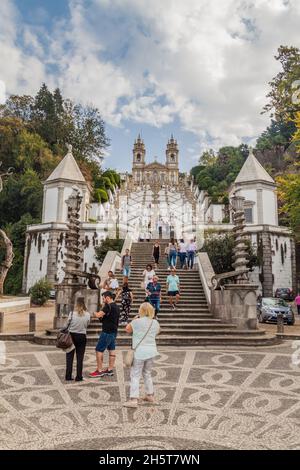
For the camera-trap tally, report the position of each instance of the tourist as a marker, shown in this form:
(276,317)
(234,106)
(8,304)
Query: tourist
(172,254)
(182,253)
(154,294)
(126,263)
(109,317)
(156,253)
(297,302)
(160,228)
(111,284)
(173,288)
(148,274)
(126,301)
(144,329)
(78,322)
(167,256)
(191,251)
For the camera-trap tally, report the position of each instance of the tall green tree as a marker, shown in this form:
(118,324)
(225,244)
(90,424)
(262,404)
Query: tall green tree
(281,103)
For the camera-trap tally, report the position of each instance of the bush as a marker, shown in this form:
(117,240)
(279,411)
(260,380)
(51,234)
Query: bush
(40,292)
(100,195)
(108,245)
(219,248)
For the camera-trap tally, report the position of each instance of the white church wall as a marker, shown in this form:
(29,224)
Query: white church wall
(281,261)
(250,195)
(37,259)
(51,197)
(269,207)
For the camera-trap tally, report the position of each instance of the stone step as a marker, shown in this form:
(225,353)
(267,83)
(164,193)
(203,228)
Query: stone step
(178,340)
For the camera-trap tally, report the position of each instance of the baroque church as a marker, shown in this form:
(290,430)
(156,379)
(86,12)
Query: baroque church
(155,172)
(155,197)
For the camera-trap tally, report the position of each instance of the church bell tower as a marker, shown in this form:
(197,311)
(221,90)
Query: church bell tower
(172,153)
(139,153)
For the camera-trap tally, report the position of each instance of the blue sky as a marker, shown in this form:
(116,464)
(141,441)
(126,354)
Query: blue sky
(196,69)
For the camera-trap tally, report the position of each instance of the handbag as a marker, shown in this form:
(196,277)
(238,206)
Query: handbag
(64,338)
(129,357)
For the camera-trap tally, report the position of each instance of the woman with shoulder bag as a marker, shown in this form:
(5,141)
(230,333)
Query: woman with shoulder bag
(79,320)
(144,329)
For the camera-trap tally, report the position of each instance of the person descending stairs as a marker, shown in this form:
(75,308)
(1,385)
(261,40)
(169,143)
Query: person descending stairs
(190,323)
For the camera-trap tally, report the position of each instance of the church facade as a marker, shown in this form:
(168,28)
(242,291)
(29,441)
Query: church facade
(155,172)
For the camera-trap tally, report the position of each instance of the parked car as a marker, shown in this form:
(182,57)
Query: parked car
(269,307)
(284,293)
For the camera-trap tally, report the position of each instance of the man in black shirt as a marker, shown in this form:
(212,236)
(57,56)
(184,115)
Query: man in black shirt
(109,317)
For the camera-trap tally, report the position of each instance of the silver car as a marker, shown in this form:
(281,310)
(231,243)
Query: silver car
(269,307)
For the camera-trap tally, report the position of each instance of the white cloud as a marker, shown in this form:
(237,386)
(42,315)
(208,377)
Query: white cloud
(2,92)
(206,64)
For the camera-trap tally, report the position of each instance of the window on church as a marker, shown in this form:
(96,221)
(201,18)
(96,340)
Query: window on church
(173,157)
(248,215)
(41,264)
(138,157)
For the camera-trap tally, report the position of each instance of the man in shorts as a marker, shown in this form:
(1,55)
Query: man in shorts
(109,317)
(173,288)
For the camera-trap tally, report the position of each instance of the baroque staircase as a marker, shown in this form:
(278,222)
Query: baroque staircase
(190,324)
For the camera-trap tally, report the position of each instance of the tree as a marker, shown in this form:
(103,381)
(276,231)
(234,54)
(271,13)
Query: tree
(107,245)
(279,133)
(219,248)
(289,198)
(281,104)
(296,136)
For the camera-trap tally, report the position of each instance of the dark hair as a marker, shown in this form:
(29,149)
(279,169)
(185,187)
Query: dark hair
(149,266)
(108,294)
(172,241)
(182,240)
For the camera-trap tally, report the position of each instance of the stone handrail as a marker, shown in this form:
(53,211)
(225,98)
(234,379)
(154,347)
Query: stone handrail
(111,262)
(206,273)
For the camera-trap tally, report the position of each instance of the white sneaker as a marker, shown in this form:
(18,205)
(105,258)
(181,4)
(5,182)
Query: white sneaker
(131,404)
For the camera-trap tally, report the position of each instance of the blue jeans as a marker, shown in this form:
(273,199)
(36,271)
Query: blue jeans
(106,341)
(126,271)
(172,258)
(191,257)
(182,257)
(156,304)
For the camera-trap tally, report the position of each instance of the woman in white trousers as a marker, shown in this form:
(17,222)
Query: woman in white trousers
(144,329)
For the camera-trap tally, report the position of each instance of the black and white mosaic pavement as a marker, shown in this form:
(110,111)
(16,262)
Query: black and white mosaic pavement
(208,399)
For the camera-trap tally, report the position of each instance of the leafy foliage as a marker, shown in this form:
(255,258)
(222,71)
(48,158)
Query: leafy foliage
(219,248)
(280,98)
(34,131)
(216,172)
(289,195)
(40,292)
(107,245)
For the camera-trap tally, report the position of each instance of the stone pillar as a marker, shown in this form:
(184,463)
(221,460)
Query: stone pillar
(293,266)
(267,274)
(260,208)
(60,203)
(52,256)
(44,204)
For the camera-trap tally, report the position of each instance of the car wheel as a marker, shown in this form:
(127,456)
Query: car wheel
(292,322)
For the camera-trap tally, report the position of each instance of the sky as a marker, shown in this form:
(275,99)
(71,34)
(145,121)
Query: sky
(198,69)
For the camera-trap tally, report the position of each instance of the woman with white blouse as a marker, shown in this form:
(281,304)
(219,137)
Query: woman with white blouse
(148,275)
(144,329)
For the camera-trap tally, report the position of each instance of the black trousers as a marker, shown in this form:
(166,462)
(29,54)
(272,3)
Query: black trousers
(79,341)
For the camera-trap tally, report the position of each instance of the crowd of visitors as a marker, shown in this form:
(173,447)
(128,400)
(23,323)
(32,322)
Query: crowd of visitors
(115,311)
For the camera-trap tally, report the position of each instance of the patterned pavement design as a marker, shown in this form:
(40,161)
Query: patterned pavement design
(209,398)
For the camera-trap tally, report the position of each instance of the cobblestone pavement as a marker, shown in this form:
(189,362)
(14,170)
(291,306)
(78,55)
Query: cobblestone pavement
(208,399)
